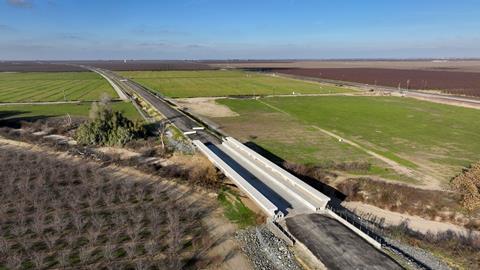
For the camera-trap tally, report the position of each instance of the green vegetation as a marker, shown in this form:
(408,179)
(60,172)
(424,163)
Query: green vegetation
(411,132)
(183,84)
(52,86)
(108,127)
(235,210)
(25,112)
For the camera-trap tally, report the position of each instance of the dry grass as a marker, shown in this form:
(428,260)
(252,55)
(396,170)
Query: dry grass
(64,214)
(433,205)
(468,184)
(460,251)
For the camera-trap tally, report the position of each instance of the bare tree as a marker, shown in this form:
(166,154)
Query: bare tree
(130,249)
(108,251)
(141,265)
(4,245)
(84,254)
(63,258)
(151,247)
(13,261)
(50,239)
(92,234)
(174,237)
(38,259)
(78,221)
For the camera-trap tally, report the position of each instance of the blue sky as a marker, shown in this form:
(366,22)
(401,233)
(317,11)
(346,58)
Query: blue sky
(226,29)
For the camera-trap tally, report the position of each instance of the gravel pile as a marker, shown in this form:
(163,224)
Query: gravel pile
(265,250)
(425,257)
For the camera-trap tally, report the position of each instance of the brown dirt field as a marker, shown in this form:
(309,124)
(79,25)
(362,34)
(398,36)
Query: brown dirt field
(461,83)
(129,65)
(35,66)
(205,106)
(450,65)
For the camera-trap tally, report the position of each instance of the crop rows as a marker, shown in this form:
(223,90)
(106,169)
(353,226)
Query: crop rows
(224,83)
(55,214)
(457,82)
(35,87)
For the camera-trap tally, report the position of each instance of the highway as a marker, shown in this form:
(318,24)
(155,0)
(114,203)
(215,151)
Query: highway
(288,193)
(280,195)
(174,116)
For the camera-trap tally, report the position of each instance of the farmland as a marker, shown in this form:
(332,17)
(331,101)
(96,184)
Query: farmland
(58,212)
(182,84)
(459,83)
(52,86)
(10,113)
(36,66)
(139,65)
(440,139)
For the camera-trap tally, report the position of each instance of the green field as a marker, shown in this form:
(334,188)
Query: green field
(183,84)
(32,112)
(417,134)
(52,86)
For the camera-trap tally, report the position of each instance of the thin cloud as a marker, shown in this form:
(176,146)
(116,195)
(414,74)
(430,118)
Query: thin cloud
(145,30)
(6,28)
(20,3)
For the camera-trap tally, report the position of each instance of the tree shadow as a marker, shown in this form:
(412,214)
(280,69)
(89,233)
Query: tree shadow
(328,190)
(14,119)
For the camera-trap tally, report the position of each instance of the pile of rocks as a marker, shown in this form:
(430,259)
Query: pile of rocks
(424,257)
(265,250)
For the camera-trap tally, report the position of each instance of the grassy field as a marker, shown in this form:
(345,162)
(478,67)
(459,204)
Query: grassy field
(52,86)
(31,112)
(414,133)
(182,84)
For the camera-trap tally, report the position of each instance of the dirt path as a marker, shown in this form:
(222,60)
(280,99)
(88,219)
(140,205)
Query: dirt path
(393,218)
(41,103)
(428,181)
(224,250)
(205,106)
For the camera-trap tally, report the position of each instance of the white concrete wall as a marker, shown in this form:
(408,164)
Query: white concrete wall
(266,205)
(321,199)
(272,178)
(114,85)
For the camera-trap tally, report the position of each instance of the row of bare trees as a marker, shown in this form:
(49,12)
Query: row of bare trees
(68,214)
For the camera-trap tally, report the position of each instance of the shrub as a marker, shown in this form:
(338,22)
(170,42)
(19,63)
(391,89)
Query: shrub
(468,184)
(107,127)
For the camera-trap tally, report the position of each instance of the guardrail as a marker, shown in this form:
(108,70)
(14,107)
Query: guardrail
(322,198)
(273,179)
(117,89)
(266,205)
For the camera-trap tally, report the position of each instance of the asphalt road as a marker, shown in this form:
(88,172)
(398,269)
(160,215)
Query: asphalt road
(336,246)
(179,119)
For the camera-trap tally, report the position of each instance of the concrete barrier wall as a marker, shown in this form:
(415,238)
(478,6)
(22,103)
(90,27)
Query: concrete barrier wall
(114,85)
(268,207)
(273,179)
(283,173)
(367,238)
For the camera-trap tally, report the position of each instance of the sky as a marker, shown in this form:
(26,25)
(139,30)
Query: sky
(238,29)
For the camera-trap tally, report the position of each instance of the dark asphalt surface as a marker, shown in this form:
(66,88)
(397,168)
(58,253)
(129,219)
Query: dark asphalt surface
(180,120)
(336,246)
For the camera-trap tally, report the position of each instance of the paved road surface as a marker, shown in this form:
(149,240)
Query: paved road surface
(336,246)
(180,120)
